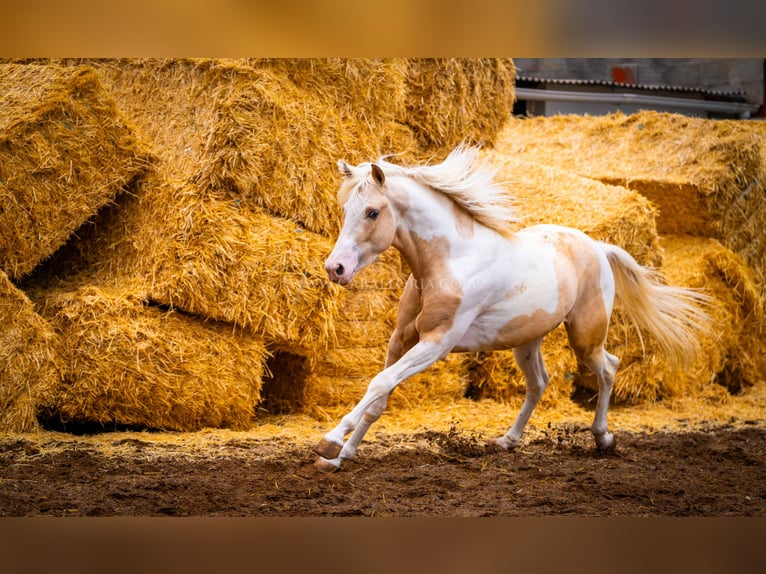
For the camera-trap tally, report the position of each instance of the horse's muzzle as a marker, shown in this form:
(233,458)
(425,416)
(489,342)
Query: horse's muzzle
(339,273)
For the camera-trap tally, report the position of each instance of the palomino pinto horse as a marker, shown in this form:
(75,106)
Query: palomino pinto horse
(478,286)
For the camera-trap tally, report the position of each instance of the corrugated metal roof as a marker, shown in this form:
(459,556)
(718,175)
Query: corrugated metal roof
(713,94)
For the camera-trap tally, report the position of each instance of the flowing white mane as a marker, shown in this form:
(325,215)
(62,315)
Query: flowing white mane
(461,176)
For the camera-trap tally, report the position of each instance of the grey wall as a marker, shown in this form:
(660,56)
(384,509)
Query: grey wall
(724,74)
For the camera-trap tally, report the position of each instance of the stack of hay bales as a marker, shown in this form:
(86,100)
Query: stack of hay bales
(705,177)
(65,152)
(458,101)
(220,244)
(169,219)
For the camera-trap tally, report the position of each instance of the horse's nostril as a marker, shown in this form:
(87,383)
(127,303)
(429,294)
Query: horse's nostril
(339,270)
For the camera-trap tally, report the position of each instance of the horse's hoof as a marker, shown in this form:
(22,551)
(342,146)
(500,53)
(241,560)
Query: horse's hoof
(327,449)
(493,447)
(502,444)
(326,466)
(606,444)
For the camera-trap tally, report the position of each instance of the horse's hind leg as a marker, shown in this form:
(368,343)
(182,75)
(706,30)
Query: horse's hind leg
(587,327)
(530,361)
(603,365)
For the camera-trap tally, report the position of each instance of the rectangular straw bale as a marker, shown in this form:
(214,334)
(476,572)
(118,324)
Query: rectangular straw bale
(30,361)
(352,85)
(65,151)
(170,102)
(173,102)
(731,354)
(267,130)
(705,176)
(545,194)
(218,260)
(128,363)
(276,144)
(451,101)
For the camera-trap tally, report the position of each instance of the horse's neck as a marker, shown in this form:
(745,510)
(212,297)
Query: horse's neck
(427,231)
(423,210)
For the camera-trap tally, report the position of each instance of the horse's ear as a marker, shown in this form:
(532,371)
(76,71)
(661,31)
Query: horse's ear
(378,175)
(344,168)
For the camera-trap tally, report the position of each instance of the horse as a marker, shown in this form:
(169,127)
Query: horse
(481,282)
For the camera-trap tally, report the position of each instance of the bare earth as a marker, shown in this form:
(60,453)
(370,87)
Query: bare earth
(717,471)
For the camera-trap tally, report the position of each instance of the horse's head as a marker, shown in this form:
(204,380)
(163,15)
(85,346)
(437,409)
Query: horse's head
(368,225)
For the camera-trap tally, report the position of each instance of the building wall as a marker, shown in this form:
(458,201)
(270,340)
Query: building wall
(724,74)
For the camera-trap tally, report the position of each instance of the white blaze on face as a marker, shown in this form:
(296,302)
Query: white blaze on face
(343,262)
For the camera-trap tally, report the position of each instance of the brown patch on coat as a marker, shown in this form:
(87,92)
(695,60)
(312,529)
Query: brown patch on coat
(580,305)
(439,293)
(588,321)
(405,335)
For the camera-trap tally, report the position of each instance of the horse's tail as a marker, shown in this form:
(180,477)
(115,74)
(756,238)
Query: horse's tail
(675,316)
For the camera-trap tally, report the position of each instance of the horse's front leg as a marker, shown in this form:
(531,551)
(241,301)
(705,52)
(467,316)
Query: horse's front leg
(331,449)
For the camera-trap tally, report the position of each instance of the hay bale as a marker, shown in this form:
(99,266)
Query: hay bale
(214,259)
(265,131)
(30,361)
(173,103)
(352,86)
(730,355)
(705,176)
(331,390)
(65,151)
(130,363)
(276,145)
(450,101)
(545,194)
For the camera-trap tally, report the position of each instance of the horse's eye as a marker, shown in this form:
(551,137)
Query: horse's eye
(372,213)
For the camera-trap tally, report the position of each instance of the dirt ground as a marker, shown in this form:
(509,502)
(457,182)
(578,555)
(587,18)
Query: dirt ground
(707,469)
